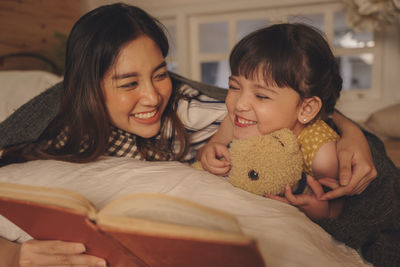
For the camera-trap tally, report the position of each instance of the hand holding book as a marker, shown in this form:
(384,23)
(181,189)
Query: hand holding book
(135,230)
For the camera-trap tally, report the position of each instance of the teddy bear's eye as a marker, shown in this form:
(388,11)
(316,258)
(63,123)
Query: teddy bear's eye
(253,175)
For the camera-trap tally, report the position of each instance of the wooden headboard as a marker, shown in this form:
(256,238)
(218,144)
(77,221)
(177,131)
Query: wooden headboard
(28,61)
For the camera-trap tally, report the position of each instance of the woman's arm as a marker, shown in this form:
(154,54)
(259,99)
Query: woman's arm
(356,167)
(46,253)
(9,253)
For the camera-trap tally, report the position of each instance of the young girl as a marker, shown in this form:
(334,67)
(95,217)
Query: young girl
(285,76)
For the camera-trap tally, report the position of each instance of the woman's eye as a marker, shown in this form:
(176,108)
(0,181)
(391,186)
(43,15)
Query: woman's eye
(129,85)
(161,76)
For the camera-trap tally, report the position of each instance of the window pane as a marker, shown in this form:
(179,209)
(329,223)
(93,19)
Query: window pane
(315,20)
(214,37)
(172,66)
(356,71)
(244,27)
(215,73)
(348,38)
(171,35)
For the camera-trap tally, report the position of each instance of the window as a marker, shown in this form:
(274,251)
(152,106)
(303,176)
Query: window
(358,54)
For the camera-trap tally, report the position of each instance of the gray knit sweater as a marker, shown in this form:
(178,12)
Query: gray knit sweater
(369,222)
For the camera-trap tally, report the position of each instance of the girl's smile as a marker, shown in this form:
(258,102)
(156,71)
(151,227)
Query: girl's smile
(242,122)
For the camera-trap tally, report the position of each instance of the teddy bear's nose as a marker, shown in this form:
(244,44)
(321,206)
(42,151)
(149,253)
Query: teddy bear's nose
(253,175)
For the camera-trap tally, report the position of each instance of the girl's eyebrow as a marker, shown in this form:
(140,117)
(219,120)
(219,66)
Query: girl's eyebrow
(135,74)
(232,79)
(260,86)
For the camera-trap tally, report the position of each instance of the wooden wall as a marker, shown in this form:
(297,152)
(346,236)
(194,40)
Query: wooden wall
(32,26)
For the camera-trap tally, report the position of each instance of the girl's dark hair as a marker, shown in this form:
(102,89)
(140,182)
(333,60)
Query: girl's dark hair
(92,48)
(291,55)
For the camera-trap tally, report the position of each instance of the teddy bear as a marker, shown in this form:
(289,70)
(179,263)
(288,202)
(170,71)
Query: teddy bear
(265,164)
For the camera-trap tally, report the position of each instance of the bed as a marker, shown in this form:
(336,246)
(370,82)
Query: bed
(286,237)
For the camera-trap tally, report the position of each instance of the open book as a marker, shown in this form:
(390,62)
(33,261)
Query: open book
(134,230)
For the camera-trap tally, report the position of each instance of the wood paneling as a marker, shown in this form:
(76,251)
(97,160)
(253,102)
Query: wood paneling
(31,25)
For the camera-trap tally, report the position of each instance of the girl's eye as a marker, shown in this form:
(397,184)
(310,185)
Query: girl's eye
(231,87)
(262,97)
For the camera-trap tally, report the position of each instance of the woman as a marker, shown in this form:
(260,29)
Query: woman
(120,100)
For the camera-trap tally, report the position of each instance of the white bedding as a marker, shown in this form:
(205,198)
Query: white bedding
(17,87)
(286,237)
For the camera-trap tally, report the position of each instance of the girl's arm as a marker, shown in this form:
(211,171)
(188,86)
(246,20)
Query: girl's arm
(356,167)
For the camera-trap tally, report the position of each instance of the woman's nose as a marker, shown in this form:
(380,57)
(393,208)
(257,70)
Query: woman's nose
(150,95)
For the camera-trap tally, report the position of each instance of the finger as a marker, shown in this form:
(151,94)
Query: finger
(335,193)
(281,199)
(295,200)
(331,183)
(315,186)
(53,247)
(223,152)
(219,171)
(71,260)
(345,173)
(56,253)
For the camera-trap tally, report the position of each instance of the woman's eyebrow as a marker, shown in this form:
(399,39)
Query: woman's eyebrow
(135,74)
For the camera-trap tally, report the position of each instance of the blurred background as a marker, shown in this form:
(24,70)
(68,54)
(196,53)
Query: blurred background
(365,39)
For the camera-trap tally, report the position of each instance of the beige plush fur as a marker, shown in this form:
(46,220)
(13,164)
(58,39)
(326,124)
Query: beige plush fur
(274,158)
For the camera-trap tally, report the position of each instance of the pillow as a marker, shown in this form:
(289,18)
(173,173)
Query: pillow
(18,87)
(385,122)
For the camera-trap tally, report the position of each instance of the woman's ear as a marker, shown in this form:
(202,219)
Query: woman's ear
(309,109)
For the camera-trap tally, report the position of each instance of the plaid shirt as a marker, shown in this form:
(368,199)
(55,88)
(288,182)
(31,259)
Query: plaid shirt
(200,115)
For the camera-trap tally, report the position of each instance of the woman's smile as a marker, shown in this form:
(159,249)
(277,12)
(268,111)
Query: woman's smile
(147,117)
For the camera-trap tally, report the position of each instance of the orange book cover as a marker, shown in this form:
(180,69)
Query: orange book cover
(135,230)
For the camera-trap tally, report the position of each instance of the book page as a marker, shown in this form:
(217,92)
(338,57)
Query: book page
(52,196)
(158,210)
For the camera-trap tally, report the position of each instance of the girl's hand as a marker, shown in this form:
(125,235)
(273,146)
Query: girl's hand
(56,253)
(215,158)
(311,205)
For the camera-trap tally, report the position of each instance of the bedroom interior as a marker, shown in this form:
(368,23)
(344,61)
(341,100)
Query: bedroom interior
(372,55)
(367,45)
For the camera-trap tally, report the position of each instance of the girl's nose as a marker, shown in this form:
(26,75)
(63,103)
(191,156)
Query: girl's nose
(242,104)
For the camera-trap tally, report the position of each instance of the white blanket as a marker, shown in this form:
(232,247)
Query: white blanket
(286,236)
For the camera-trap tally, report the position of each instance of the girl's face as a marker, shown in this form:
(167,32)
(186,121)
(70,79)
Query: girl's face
(137,88)
(257,109)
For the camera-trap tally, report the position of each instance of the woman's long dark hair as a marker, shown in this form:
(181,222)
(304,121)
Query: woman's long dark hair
(92,48)
(291,55)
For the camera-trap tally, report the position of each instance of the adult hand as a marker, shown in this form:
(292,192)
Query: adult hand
(311,205)
(356,167)
(215,158)
(56,253)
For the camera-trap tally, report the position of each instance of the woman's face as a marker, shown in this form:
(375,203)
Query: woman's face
(137,88)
